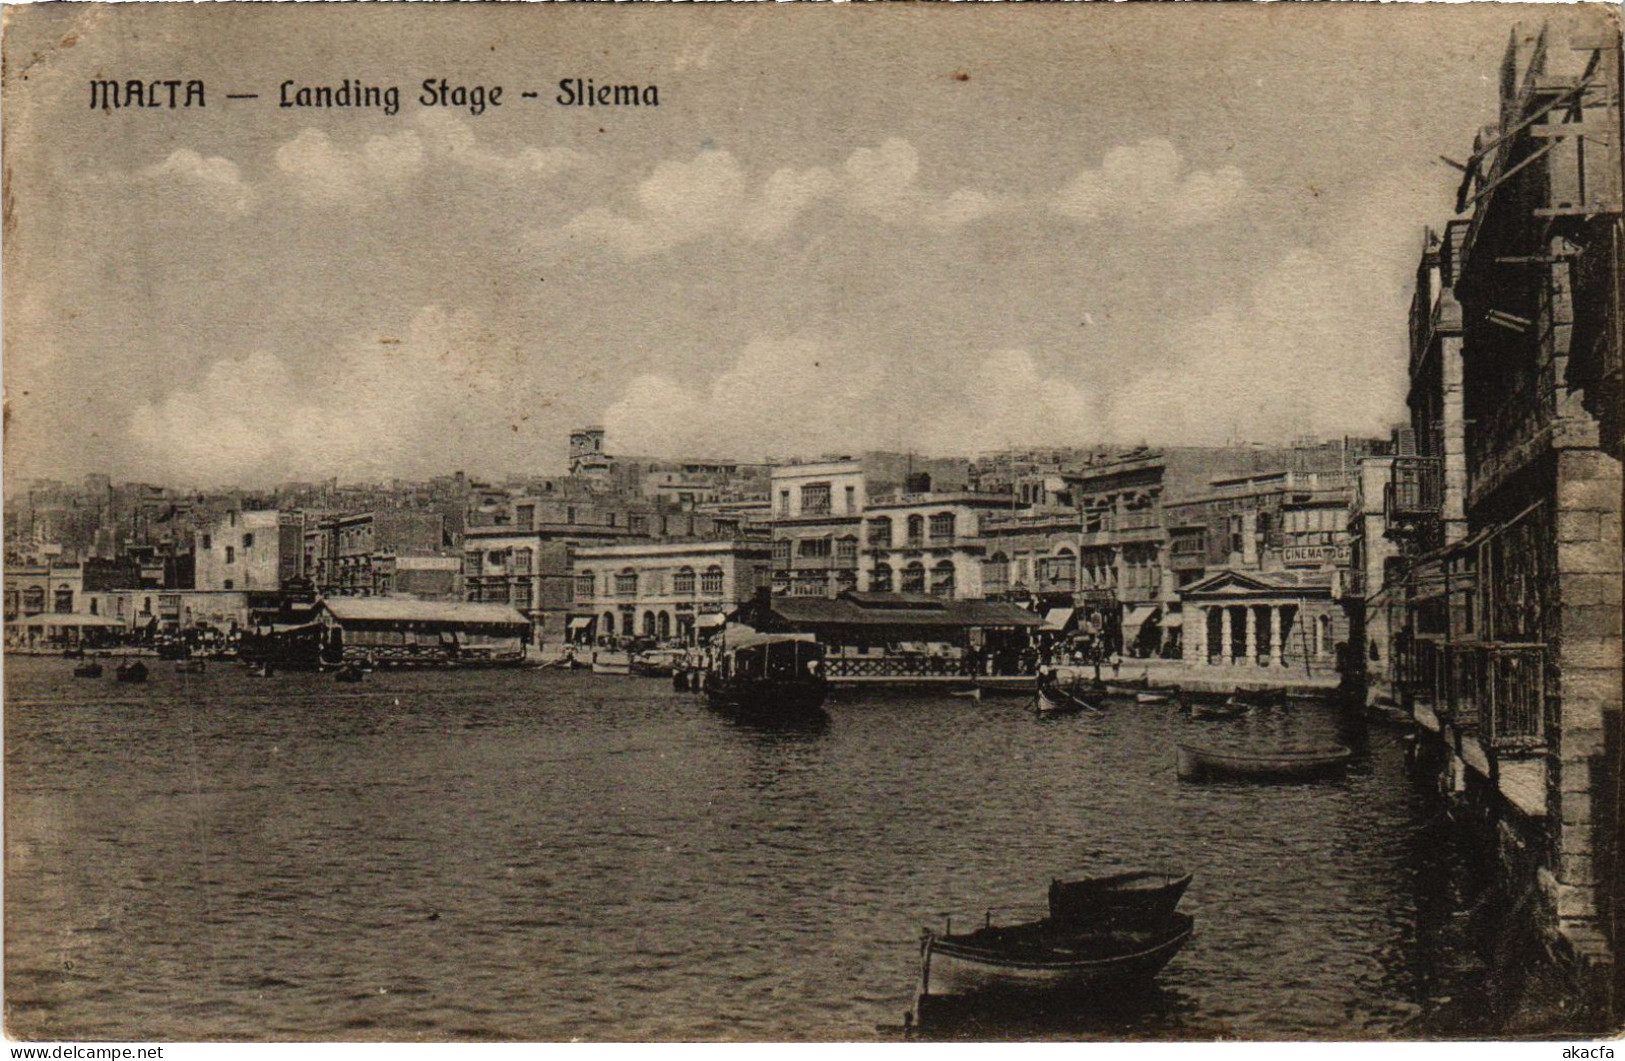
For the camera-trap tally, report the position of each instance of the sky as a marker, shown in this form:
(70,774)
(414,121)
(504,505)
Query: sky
(948,229)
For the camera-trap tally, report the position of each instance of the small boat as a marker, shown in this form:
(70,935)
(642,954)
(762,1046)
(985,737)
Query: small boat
(133,671)
(1278,764)
(350,672)
(1138,900)
(1208,710)
(1036,958)
(973,693)
(1151,698)
(88,669)
(656,663)
(189,666)
(1055,700)
(611,663)
(769,675)
(1129,686)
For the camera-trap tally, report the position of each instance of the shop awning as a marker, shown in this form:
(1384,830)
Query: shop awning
(580,622)
(1058,618)
(1138,616)
(709,619)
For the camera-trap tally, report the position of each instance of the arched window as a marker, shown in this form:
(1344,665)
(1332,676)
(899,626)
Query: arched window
(846,551)
(711,581)
(880,531)
(607,627)
(1323,634)
(626,583)
(629,624)
(942,579)
(585,585)
(914,577)
(648,624)
(664,628)
(880,579)
(521,561)
(682,583)
(916,530)
(942,527)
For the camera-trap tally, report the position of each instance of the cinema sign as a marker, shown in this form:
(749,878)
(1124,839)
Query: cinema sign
(1314,555)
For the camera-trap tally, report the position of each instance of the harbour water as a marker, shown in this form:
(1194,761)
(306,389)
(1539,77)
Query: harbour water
(553,855)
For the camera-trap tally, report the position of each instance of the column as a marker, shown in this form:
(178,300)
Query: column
(1196,633)
(1226,639)
(1275,636)
(1251,614)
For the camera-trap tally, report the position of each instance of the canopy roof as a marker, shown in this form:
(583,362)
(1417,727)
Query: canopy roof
(401,610)
(894,610)
(65,619)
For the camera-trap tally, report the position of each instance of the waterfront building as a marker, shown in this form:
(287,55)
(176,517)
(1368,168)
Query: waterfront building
(35,589)
(1282,619)
(816,524)
(926,542)
(663,590)
(350,552)
(1507,505)
(892,636)
(248,550)
(394,632)
(1369,596)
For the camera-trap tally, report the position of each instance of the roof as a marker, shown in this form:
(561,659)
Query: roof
(400,610)
(65,619)
(898,609)
(1228,581)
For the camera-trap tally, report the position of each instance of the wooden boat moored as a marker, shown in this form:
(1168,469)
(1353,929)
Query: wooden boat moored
(1207,709)
(1056,700)
(1006,684)
(607,662)
(132,671)
(1138,900)
(1279,764)
(1034,958)
(768,675)
(88,669)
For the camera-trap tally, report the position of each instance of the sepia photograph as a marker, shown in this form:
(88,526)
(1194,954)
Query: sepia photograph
(781,523)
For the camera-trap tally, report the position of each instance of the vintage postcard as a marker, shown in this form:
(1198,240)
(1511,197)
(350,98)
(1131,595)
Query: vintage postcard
(840,523)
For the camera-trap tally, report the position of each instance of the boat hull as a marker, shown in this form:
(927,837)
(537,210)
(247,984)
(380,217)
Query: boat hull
(768,698)
(1056,701)
(960,967)
(1198,764)
(1007,684)
(1140,900)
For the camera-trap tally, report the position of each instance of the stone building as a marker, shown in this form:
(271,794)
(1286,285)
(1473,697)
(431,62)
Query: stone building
(663,591)
(1508,649)
(254,551)
(816,523)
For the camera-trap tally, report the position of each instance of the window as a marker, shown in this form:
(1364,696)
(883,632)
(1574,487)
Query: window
(231,555)
(638,524)
(711,581)
(846,551)
(626,583)
(851,500)
(942,579)
(208,542)
(784,502)
(521,594)
(525,516)
(584,585)
(880,531)
(64,599)
(880,579)
(996,574)
(248,541)
(914,578)
(942,527)
(229,584)
(816,548)
(916,530)
(781,552)
(815,499)
(471,561)
(521,561)
(682,583)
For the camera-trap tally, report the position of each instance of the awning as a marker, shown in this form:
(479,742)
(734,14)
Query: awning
(1058,618)
(709,619)
(1138,615)
(1173,620)
(580,622)
(65,620)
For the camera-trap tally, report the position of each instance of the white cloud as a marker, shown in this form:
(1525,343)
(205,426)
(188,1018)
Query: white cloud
(217,182)
(327,174)
(803,395)
(380,406)
(712,194)
(1147,183)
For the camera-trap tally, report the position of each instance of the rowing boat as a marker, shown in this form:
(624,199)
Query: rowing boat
(1278,764)
(1054,700)
(1136,900)
(1035,958)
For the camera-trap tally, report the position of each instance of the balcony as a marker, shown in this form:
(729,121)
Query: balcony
(1413,497)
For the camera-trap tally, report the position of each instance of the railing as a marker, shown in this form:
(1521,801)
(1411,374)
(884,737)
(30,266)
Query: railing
(1515,681)
(1465,687)
(893,666)
(1414,491)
